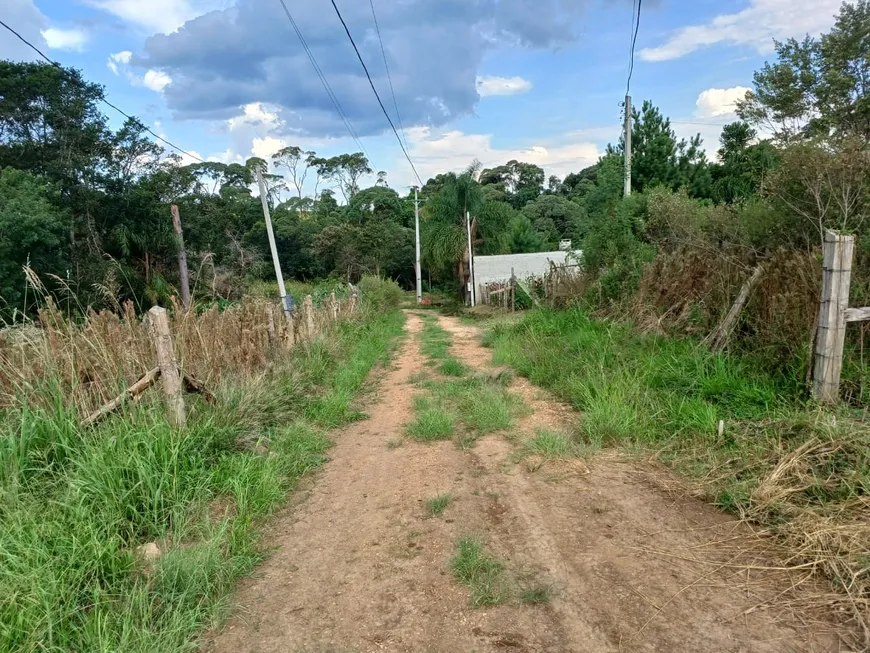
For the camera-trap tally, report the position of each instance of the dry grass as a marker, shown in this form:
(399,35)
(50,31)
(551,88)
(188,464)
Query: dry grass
(808,487)
(91,360)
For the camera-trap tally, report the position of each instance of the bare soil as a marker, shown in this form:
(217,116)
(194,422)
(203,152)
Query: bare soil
(632,562)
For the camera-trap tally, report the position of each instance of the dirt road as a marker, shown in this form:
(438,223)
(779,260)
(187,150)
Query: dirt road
(358,565)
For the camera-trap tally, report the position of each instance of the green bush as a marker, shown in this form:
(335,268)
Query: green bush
(380,294)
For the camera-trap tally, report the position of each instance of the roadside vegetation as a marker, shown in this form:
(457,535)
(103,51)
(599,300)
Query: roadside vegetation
(129,536)
(801,473)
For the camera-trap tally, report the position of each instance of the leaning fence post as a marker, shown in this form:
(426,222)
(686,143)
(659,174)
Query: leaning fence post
(830,336)
(172,392)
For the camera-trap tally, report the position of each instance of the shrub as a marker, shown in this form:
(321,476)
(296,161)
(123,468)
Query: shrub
(380,294)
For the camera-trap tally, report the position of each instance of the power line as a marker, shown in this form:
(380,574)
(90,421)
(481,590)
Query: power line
(633,44)
(387,67)
(372,84)
(324,81)
(104,100)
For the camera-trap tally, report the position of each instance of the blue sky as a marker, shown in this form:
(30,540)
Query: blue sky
(535,80)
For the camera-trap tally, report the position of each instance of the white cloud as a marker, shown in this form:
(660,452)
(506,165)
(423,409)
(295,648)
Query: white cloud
(433,153)
(267,146)
(122,58)
(719,101)
(755,27)
(156,80)
(255,113)
(489,85)
(164,16)
(65,39)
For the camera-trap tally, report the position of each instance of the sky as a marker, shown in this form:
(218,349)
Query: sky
(540,81)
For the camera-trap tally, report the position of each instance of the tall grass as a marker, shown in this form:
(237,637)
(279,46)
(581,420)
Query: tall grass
(76,504)
(90,360)
(801,473)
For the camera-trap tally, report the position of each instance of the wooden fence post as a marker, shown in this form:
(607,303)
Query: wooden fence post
(333,306)
(182,258)
(836,277)
(309,317)
(354,299)
(172,391)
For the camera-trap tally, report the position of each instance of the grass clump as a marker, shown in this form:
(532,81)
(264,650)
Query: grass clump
(550,444)
(452,367)
(436,505)
(480,571)
(76,504)
(432,421)
(483,405)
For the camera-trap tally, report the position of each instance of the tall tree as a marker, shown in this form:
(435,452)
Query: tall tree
(818,86)
(297,162)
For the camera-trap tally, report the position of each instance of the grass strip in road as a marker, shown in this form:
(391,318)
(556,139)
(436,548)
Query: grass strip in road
(76,504)
(481,403)
(432,422)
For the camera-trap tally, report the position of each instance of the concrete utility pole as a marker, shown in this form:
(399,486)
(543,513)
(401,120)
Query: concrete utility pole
(627,145)
(417,245)
(286,300)
(470,255)
(182,258)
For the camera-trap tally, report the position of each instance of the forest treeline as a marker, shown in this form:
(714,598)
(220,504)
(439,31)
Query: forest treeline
(86,207)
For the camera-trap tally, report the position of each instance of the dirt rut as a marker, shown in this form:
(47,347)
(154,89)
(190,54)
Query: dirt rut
(358,566)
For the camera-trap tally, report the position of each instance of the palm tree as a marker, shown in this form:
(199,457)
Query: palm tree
(444,239)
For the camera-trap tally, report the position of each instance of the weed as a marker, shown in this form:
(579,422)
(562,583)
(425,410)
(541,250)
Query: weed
(536,595)
(480,571)
(395,443)
(436,505)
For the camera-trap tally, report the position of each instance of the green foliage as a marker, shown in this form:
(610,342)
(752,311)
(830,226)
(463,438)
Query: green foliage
(380,294)
(515,182)
(522,237)
(32,231)
(556,217)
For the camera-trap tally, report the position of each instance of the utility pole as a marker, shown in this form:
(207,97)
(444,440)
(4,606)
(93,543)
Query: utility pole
(627,139)
(417,245)
(286,300)
(182,258)
(470,255)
